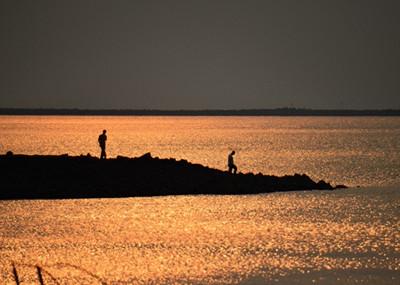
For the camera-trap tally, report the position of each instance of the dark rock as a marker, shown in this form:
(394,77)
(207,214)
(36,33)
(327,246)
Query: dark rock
(120,157)
(341,186)
(323,185)
(51,177)
(146,156)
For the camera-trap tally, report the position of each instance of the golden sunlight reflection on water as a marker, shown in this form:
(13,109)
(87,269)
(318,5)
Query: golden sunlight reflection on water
(343,150)
(343,237)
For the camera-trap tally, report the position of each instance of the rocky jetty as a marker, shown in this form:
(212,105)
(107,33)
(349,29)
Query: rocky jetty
(59,177)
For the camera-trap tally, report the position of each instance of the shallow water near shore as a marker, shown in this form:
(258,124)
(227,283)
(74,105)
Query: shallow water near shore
(324,237)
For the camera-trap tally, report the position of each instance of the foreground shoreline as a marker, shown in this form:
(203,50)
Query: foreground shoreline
(70,177)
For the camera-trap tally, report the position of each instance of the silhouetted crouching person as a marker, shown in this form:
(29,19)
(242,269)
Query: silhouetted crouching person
(102,144)
(231,164)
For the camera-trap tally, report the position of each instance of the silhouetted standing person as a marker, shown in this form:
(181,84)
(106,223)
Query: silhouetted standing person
(231,164)
(102,144)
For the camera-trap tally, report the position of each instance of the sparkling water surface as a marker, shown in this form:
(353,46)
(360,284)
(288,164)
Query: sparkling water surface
(324,237)
(318,237)
(356,151)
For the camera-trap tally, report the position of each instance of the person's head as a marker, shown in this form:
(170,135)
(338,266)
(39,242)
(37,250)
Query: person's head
(233,152)
(104,132)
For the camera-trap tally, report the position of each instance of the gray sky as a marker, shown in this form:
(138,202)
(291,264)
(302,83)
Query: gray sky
(200,54)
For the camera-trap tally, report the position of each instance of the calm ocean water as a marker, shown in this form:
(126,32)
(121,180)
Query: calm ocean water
(341,237)
(355,151)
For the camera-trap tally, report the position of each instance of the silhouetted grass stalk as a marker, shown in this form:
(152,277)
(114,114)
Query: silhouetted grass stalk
(15,274)
(39,273)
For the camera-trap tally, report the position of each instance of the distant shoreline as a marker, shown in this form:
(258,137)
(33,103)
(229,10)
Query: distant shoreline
(216,112)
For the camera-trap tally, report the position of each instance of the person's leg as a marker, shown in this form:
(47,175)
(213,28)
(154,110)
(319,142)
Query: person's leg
(234,169)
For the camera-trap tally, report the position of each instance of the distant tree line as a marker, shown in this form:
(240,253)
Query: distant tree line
(216,112)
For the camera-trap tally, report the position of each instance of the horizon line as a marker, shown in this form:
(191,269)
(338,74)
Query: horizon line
(281,111)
